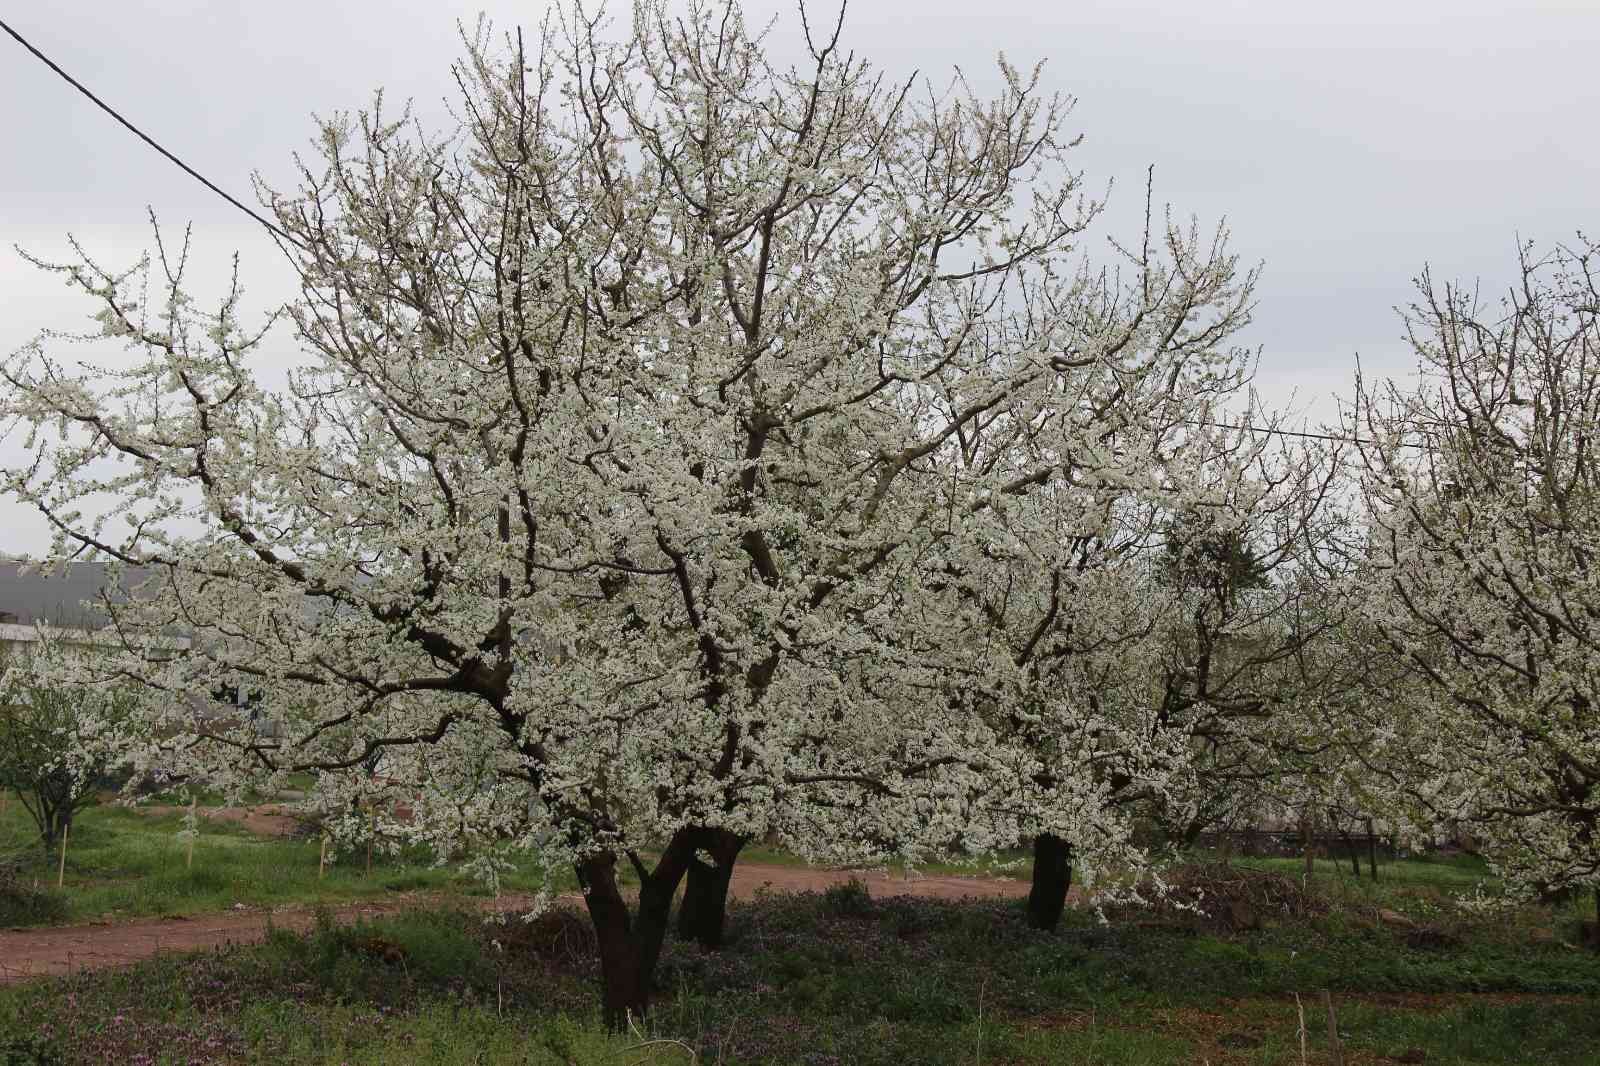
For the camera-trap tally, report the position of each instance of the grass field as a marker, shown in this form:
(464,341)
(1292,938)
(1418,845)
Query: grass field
(128,863)
(124,863)
(1457,872)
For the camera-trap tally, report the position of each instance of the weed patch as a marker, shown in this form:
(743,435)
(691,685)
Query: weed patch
(24,902)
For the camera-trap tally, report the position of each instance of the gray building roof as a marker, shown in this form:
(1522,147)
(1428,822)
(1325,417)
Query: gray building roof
(58,599)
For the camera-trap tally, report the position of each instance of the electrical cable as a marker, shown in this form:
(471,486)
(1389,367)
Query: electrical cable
(108,109)
(202,179)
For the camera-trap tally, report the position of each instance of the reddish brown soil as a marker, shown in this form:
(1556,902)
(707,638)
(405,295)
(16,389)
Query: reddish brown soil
(268,820)
(53,951)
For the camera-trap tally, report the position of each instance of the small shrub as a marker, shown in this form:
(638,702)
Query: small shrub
(848,900)
(29,1051)
(23,903)
(1229,898)
(561,935)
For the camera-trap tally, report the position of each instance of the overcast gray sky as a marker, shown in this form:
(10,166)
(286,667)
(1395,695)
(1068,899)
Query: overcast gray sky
(1347,144)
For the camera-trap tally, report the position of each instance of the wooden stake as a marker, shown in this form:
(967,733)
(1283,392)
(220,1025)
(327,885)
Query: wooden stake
(61,870)
(322,857)
(1372,851)
(1300,1009)
(1335,1048)
(194,831)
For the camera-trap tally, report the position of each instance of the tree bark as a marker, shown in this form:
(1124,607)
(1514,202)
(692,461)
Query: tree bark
(1350,847)
(52,818)
(1052,877)
(630,944)
(703,914)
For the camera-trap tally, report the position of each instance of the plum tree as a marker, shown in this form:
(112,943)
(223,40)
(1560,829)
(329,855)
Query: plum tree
(1481,491)
(630,405)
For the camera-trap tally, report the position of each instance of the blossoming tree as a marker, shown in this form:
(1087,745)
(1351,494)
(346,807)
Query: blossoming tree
(1482,493)
(1141,647)
(629,407)
(58,740)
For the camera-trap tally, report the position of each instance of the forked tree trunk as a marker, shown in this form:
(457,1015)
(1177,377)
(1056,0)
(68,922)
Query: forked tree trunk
(51,814)
(703,914)
(630,944)
(1052,877)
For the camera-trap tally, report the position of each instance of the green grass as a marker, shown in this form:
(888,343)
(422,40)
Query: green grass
(1456,872)
(1479,1032)
(840,977)
(1459,873)
(123,863)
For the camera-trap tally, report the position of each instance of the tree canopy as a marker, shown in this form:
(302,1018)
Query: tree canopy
(689,450)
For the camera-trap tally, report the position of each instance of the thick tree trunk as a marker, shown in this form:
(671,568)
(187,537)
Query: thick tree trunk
(624,991)
(630,944)
(1052,877)
(703,914)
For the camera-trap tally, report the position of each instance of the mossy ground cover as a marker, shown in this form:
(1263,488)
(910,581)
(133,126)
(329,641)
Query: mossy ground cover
(840,977)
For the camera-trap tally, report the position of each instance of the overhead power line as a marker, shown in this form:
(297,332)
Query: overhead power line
(1335,437)
(143,136)
(1247,427)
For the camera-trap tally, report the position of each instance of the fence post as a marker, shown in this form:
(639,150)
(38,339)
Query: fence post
(1307,836)
(194,831)
(1335,1049)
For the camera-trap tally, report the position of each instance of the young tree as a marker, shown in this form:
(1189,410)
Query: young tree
(630,406)
(59,738)
(1482,493)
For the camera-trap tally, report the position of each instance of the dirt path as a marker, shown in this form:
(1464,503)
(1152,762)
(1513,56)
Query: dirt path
(26,953)
(268,819)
